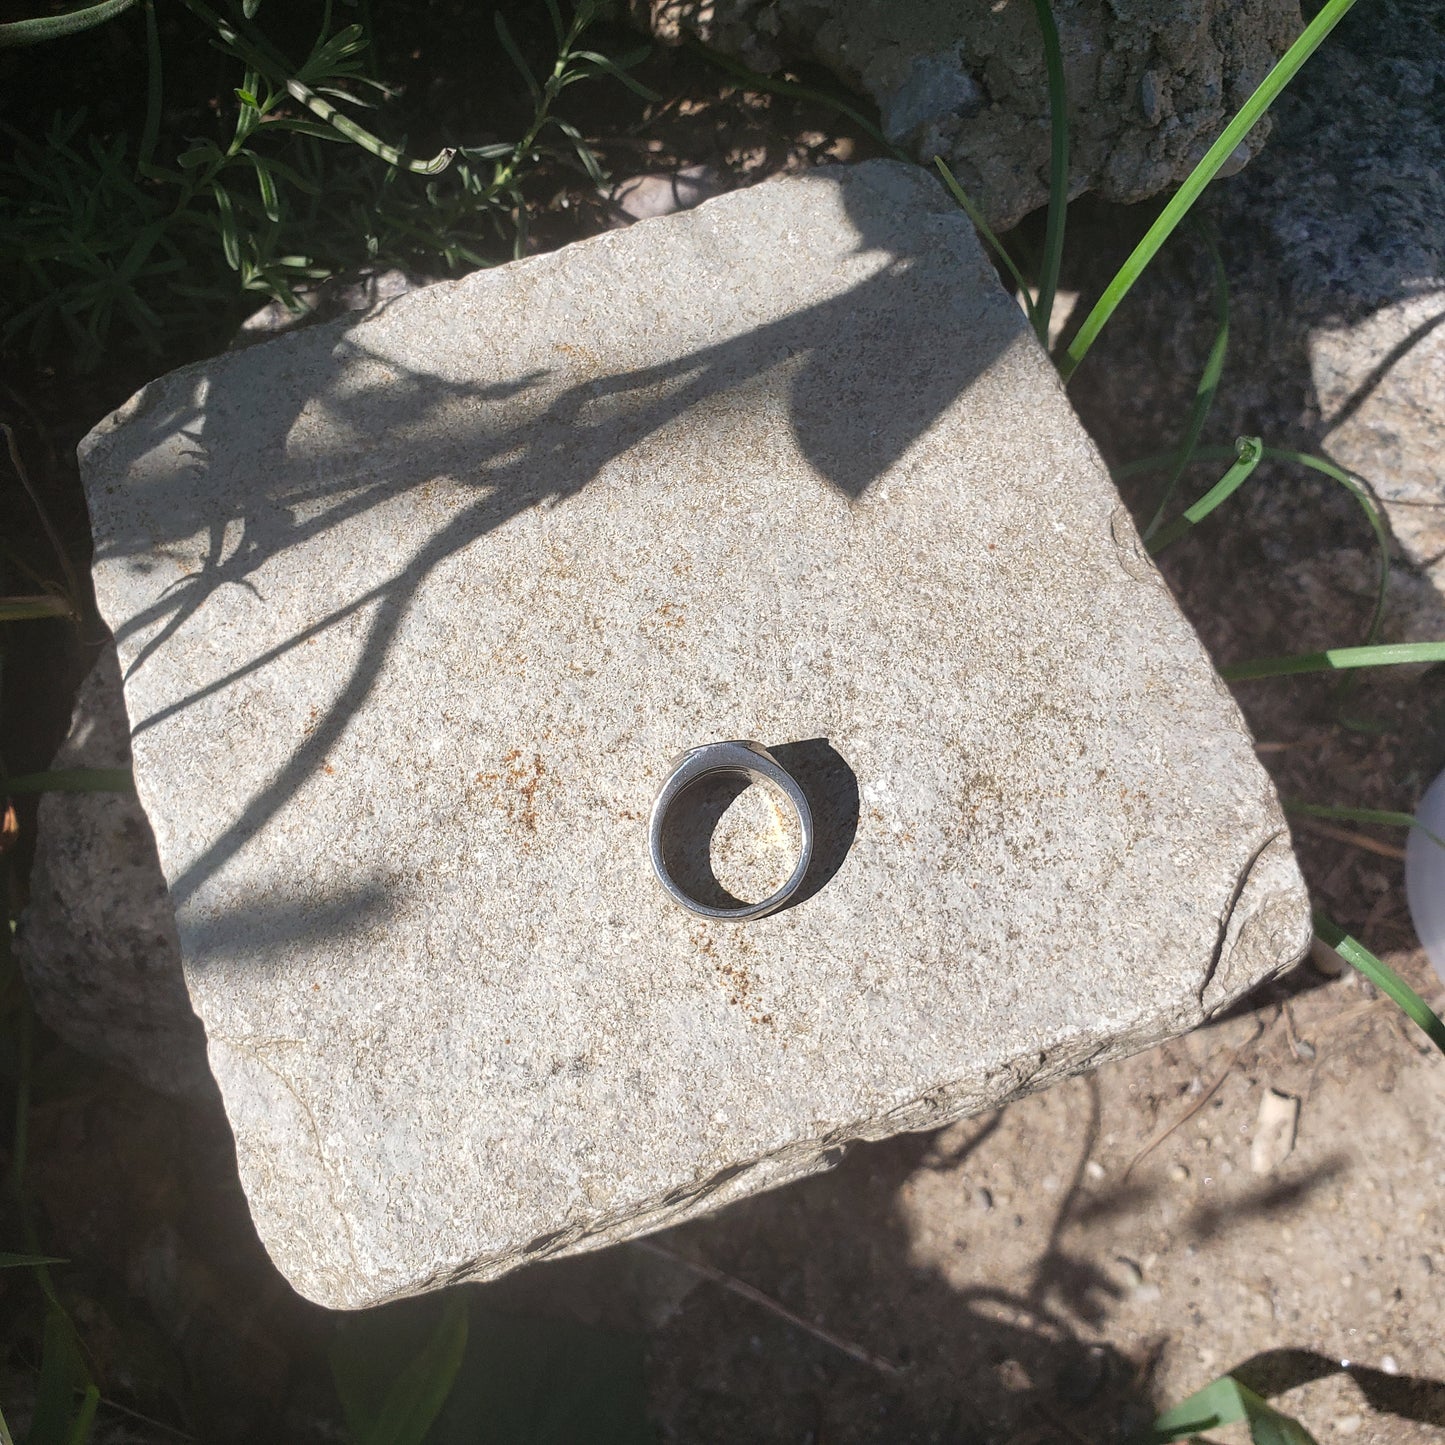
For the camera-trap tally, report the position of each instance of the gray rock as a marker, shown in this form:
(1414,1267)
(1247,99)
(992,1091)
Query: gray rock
(639,198)
(1334,241)
(1380,385)
(414,611)
(97,941)
(1150,85)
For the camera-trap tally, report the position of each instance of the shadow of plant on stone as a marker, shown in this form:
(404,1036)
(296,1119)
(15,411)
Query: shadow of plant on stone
(315,446)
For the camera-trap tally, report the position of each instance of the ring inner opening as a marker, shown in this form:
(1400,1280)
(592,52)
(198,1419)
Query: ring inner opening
(731,840)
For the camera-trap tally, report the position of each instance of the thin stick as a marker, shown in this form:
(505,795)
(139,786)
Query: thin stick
(51,534)
(1290,1034)
(1197,1105)
(1347,835)
(739,1287)
(146,1419)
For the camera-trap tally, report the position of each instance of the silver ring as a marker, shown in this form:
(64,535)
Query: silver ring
(751,760)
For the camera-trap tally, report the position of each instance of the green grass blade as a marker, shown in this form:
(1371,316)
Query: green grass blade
(150,131)
(1383,977)
(1356,487)
(1368,505)
(1250,449)
(55,27)
(514,54)
(23,609)
(230,235)
(982,227)
(1222,1402)
(318,105)
(266,186)
(84,1417)
(71,780)
(57,544)
(6,1438)
(607,66)
(63,1373)
(420,1391)
(1203,393)
(1058,172)
(25,1261)
(1330,15)
(1382,816)
(1388,654)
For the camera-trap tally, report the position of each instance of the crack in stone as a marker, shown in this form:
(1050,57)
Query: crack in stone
(1241,883)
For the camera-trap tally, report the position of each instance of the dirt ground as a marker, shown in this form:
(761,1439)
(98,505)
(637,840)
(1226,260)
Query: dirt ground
(1054,1272)
(1038,1280)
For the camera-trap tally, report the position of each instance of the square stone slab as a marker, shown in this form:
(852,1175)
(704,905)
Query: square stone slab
(414,611)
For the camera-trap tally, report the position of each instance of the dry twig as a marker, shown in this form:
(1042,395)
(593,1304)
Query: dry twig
(1348,835)
(748,1292)
(1197,1105)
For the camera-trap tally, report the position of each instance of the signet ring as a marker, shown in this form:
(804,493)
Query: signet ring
(750,760)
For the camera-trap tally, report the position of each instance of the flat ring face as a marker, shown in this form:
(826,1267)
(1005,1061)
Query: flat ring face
(748,759)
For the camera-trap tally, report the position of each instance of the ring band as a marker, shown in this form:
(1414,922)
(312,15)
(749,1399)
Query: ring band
(751,760)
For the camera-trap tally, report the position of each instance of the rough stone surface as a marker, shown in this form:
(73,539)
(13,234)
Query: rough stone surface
(97,941)
(415,610)
(1150,85)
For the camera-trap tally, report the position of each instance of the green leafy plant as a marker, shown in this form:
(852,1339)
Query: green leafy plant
(147,239)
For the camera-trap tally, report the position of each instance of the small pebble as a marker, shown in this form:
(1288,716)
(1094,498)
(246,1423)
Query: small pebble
(1390,1365)
(1094,1169)
(1129,1272)
(1326,960)
(1348,1424)
(983,1198)
(1179,1173)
